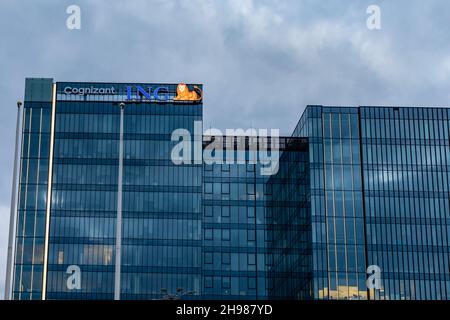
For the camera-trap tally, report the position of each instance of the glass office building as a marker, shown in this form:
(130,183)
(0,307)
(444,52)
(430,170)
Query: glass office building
(379,197)
(356,187)
(244,231)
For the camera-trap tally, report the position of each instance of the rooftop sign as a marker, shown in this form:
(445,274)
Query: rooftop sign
(135,92)
(161,93)
(89,90)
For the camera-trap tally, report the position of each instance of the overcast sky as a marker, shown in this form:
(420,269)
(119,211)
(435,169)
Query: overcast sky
(261,62)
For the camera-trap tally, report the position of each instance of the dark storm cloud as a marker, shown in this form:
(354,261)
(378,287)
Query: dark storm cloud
(261,61)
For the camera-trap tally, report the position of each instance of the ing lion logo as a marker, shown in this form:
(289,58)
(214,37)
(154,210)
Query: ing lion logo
(183,93)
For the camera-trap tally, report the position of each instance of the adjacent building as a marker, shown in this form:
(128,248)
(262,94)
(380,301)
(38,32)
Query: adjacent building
(358,207)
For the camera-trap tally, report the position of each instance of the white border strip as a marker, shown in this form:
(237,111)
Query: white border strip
(49,195)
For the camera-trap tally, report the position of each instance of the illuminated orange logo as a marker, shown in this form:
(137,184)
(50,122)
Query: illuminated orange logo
(183,93)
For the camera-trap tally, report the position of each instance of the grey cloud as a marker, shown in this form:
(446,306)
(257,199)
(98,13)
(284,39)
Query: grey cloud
(261,61)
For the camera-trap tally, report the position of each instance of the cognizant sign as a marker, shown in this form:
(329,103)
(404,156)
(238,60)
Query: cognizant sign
(89,90)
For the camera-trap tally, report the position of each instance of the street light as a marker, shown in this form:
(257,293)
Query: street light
(13,210)
(119,211)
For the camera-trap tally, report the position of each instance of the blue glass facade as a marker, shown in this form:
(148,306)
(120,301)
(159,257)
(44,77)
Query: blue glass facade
(379,196)
(30,229)
(337,216)
(406,159)
(161,236)
(289,272)
(242,247)
(356,187)
(234,232)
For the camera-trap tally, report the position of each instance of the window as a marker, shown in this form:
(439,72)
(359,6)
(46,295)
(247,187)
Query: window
(226,234)
(335,126)
(251,235)
(226,282)
(268,213)
(217,186)
(208,282)
(326,125)
(250,212)
(252,283)
(354,124)
(208,187)
(346,125)
(208,234)
(208,258)
(251,259)
(225,211)
(208,211)
(226,258)
(269,260)
(226,188)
